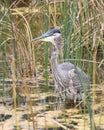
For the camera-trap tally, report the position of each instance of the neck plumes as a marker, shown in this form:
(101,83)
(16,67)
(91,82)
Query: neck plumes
(55,54)
(54,57)
(54,63)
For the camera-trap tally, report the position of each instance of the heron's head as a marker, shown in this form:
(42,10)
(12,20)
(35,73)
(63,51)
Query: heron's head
(52,35)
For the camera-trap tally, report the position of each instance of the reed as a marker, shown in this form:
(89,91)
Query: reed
(82,26)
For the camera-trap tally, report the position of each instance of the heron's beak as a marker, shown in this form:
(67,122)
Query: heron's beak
(42,37)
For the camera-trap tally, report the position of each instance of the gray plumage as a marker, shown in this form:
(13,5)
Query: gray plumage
(70,81)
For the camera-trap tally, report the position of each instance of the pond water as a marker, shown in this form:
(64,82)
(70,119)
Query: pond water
(38,109)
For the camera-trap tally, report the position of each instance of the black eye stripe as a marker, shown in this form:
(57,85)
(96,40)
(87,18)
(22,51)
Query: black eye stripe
(52,31)
(56,31)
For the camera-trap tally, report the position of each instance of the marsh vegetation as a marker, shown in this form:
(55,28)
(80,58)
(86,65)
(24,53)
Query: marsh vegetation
(27,98)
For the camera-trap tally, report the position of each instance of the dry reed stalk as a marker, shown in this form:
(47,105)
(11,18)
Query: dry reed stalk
(13,76)
(94,49)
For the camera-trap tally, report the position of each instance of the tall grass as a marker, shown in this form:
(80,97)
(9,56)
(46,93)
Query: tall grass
(82,26)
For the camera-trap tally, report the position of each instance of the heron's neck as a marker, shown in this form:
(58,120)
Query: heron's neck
(55,53)
(54,59)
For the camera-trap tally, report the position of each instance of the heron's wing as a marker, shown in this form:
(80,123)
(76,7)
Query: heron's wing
(79,77)
(74,74)
(74,81)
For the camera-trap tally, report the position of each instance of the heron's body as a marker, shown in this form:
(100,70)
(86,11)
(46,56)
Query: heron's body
(70,81)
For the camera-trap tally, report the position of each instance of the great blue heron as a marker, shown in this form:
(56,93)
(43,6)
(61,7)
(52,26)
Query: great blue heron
(71,82)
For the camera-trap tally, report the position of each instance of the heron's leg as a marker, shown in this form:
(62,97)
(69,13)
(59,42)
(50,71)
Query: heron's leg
(75,99)
(80,98)
(55,92)
(58,93)
(55,88)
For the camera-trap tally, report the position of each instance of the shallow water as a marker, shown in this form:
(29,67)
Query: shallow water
(46,110)
(46,116)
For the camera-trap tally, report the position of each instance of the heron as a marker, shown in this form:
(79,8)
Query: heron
(70,81)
